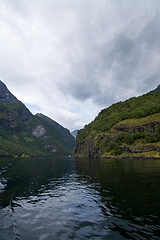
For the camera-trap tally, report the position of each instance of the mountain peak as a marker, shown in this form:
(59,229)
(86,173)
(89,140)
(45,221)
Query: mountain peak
(5,95)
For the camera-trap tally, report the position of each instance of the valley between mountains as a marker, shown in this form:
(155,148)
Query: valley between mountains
(126,129)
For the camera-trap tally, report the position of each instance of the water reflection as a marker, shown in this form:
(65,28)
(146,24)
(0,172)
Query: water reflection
(24,177)
(129,190)
(67,198)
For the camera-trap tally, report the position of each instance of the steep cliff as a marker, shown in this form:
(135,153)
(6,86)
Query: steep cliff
(126,129)
(23,134)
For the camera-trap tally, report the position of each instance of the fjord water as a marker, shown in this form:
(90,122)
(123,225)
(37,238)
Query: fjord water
(67,198)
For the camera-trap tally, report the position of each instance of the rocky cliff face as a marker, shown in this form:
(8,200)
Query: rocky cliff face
(125,139)
(38,131)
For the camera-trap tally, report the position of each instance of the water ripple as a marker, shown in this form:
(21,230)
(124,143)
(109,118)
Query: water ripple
(68,204)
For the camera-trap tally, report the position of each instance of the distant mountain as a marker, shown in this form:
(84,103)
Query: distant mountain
(74,133)
(24,134)
(125,129)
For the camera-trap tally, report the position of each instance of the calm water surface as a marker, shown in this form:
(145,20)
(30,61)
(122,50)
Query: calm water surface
(67,198)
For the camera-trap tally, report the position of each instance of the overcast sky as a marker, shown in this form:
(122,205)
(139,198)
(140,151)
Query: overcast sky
(68,59)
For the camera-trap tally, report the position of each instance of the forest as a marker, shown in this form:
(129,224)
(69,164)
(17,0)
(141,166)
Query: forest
(134,121)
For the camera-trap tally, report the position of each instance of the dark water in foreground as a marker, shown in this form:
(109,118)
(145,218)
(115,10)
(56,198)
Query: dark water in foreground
(67,198)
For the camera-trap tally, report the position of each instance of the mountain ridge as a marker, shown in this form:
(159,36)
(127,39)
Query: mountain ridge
(5,95)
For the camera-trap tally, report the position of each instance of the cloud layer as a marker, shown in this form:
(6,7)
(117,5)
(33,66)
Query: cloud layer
(69,59)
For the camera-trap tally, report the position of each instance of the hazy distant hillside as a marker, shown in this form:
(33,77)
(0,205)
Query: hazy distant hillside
(129,128)
(74,133)
(23,134)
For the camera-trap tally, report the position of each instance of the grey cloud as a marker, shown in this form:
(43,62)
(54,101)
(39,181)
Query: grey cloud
(122,45)
(121,59)
(84,52)
(97,58)
(81,83)
(145,87)
(150,35)
(84,91)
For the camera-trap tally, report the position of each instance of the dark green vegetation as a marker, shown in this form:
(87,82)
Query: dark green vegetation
(23,134)
(125,129)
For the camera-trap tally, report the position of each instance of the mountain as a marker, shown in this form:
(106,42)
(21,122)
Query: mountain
(62,135)
(5,95)
(25,134)
(74,133)
(125,129)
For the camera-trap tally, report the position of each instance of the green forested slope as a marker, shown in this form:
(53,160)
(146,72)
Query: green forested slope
(23,134)
(19,135)
(129,128)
